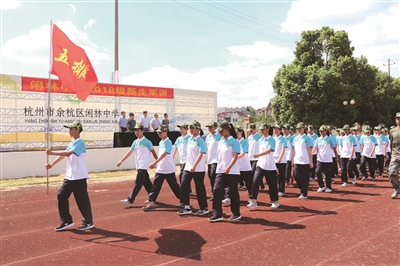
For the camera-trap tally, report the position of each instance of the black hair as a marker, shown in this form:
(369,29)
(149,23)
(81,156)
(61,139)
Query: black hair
(271,131)
(201,132)
(232,130)
(165,114)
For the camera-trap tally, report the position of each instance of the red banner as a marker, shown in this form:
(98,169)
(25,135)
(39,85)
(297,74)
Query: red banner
(101,89)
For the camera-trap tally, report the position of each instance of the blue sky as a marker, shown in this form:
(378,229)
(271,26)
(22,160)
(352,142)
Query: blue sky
(232,47)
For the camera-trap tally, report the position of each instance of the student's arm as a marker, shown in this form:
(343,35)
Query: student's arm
(262,153)
(173,155)
(282,153)
(198,159)
(310,155)
(372,151)
(50,165)
(59,153)
(124,158)
(241,155)
(153,164)
(233,161)
(353,149)
(154,154)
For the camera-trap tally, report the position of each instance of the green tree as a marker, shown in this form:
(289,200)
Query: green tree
(323,75)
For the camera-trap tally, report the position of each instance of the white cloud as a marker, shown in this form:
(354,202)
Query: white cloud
(242,82)
(73,7)
(33,49)
(90,23)
(261,51)
(373,33)
(9,4)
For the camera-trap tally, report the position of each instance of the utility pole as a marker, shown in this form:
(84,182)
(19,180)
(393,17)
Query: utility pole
(388,65)
(116,37)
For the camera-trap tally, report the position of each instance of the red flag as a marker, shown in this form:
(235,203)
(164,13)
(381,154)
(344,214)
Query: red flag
(71,64)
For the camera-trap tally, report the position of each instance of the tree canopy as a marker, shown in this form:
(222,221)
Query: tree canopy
(323,75)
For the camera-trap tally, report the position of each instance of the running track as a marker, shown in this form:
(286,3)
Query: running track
(354,225)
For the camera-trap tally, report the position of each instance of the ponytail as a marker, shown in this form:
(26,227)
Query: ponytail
(201,132)
(232,131)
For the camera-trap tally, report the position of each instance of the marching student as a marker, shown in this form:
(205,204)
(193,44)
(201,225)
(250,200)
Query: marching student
(165,169)
(368,145)
(181,146)
(347,155)
(324,146)
(380,149)
(253,149)
(143,148)
(280,158)
(357,160)
(302,160)
(194,169)
(335,159)
(265,167)
(228,173)
(288,154)
(243,162)
(74,180)
(212,140)
(313,136)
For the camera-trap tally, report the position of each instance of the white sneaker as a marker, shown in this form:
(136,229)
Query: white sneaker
(227,201)
(302,197)
(328,190)
(321,189)
(275,205)
(252,204)
(345,185)
(126,202)
(147,202)
(395,194)
(280,194)
(354,180)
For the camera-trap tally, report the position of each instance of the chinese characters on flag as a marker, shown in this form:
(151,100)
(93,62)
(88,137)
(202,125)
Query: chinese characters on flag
(71,64)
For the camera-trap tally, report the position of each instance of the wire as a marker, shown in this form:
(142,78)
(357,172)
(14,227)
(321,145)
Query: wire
(248,19)
(231,22)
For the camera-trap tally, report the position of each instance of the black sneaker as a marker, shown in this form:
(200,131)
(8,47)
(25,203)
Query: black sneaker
(215,219)
(202,212)
(85,226)
(64,226)
(234,217)
(185,211)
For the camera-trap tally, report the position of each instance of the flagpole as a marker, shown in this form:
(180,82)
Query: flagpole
(48,105)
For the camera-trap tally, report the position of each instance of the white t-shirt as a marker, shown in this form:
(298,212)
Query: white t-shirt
(212,147)
(253,146)
(155,123)
(266,162)
(280,143)
(181,145)
(145,122)
(289,149)
(142,148)
(346,143)
(76,162)
(368,143)
(382,140)
(194,147)
(226,148)
(325,147)
(301,143)
(166,165)
(244,162)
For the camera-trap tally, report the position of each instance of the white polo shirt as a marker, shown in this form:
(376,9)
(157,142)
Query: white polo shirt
(333,139)
(325,146)
(145,121)
(314,137)
(280,143)
(346,143)
(226,148)
(212,147)
(244,162)
(253,146)
(76,162)
(155,123)
(382,140)
(289,149)
(194,147)
(166,165)
(301,143)
(181,145)
(142,148)
(266,162)
(358,147)
(368,143)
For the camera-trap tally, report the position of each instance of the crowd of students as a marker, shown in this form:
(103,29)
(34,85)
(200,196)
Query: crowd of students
(234,162)
(273,152)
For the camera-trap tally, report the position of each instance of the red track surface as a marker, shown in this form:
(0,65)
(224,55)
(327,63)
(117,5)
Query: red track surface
(354,225)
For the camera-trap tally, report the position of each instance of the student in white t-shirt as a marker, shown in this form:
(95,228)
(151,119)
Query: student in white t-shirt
(265,167)
(194,169)
(143,148)
(180,146)
(368,144)
(74,180)
(228,173)
(165,170)
(280,158)
(212,140)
